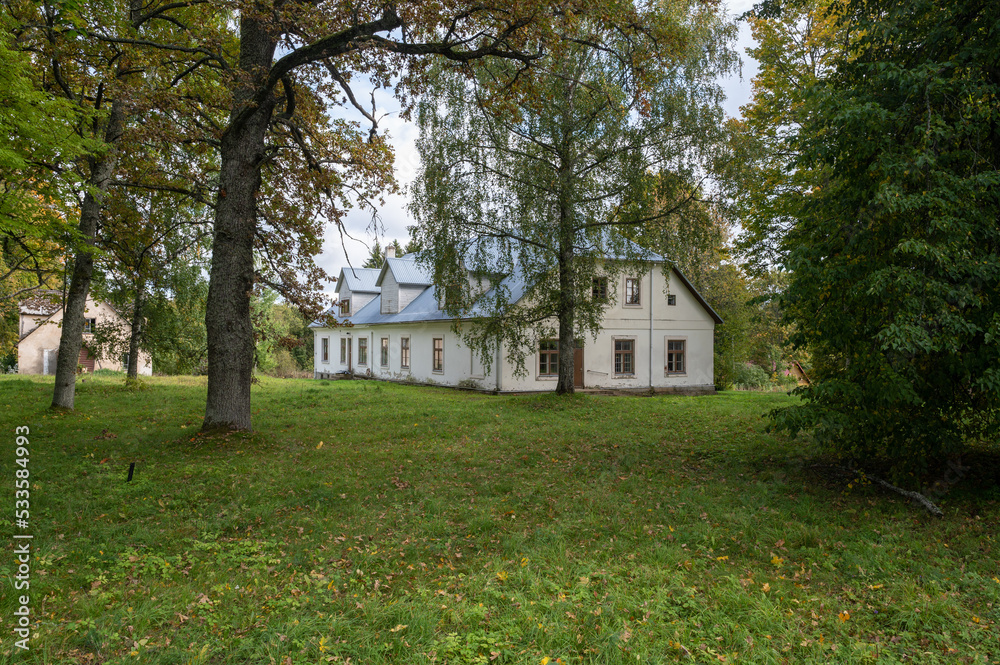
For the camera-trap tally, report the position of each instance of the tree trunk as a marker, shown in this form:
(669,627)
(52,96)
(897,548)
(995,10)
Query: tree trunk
(71,338)
(227,317)
(132,371)
(567,291)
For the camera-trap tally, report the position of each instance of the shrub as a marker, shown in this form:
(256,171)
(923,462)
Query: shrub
(751,377)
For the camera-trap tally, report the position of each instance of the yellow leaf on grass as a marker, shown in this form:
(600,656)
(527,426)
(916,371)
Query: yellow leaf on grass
(844,616)
(320,445)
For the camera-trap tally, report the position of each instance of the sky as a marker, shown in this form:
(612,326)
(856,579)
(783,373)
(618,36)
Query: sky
(394,217)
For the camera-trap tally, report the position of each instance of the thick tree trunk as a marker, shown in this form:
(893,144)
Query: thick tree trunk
(227,316)
(71,338)
(132,371)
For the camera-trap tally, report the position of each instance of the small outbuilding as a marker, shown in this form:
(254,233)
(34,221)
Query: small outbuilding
(40,327)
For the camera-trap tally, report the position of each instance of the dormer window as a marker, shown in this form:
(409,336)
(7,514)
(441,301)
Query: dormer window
(89,325)
(452,297)
(345,307)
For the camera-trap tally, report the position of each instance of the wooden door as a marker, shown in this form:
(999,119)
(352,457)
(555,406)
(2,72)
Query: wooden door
(86,361)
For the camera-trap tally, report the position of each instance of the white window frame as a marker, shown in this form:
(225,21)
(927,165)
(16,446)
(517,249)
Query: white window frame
(324,350)
(344,341)
(638,292)
(363,359)
(384,352)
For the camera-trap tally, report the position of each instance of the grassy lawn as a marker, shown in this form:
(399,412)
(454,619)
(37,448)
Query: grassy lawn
(375,523)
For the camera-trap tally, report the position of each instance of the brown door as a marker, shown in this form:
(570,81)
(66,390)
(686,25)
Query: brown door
(85,360)
(578,368)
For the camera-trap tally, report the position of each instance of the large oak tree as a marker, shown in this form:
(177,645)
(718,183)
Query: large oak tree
(292,58)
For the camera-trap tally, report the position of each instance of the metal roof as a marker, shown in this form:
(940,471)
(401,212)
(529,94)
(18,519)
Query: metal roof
(359,280)
(405,271)
(408,271)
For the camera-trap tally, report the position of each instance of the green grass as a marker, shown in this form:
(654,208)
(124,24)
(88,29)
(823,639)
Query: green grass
(436,526)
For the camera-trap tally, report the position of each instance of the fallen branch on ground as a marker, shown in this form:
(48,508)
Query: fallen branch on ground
(916,496)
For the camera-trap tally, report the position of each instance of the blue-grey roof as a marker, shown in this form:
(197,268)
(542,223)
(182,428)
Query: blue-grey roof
(408,270)
(360,280)
(425,306)
(405,271)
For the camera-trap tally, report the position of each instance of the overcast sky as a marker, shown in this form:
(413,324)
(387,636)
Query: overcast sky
(394,217)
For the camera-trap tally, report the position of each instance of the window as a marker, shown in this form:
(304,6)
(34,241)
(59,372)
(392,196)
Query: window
(548,358)
(599,288)
(624,356)
(452,297)
(362,350)
(345,307)
(384,356)
(632,291)
(343,350)
(404,352)
(437,361)
(88,326)
(671,299)
(325,349)
(675,356)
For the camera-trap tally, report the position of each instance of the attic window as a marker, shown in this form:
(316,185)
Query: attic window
(452,297)
(345,307)
(671,299)
(89,325)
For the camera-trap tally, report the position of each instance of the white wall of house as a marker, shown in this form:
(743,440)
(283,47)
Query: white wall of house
(650,325)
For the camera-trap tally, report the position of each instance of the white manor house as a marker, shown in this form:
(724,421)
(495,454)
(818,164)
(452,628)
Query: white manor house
(653,338)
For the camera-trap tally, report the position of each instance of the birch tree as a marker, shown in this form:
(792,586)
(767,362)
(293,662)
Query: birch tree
(545,179)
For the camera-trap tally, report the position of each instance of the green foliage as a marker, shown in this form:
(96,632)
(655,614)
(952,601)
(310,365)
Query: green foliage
(284,341)
(896,257)
(594,529)
(748,376)
(753,332)
(38,131)
(376,255)
(175,328)
(796,42)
